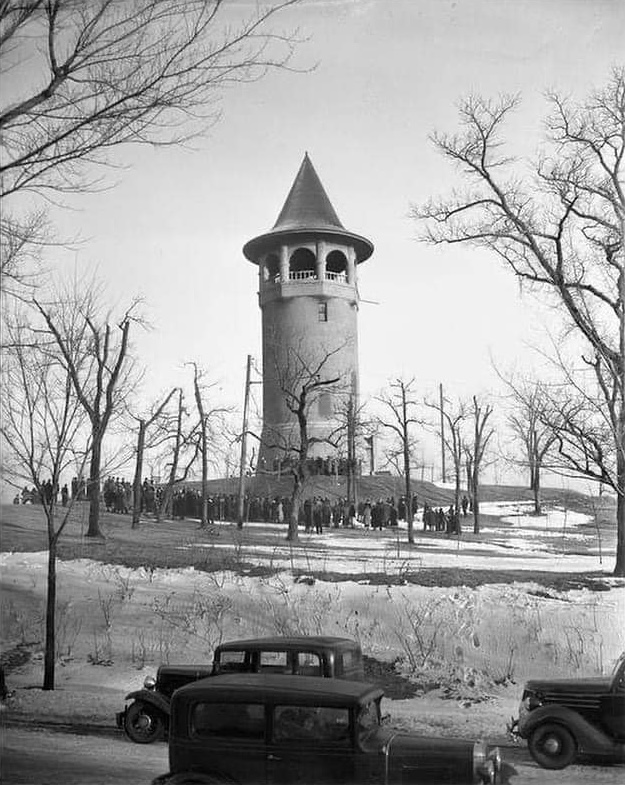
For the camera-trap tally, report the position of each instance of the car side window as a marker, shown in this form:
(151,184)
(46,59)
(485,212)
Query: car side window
(231,661)
(274,662)
(309,664)
(228,720)
(311,724)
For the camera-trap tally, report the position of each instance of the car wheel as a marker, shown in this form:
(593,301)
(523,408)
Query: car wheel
(552,746)
(144,724)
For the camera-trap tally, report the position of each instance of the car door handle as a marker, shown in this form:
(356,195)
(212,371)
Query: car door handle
(273,757)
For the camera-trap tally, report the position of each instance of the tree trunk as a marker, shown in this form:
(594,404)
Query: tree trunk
(296,500)
(408,494)
(136,486)
(50,646)
(204,502)
(93,529)
(619,569)
(475,493)
(536,490)
(457,495)
(163,510)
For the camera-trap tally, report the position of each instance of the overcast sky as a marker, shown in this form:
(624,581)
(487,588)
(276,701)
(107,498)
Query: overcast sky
(388,73)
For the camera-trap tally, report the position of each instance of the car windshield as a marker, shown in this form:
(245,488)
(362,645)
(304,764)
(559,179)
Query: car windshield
(368,719)
(617,665)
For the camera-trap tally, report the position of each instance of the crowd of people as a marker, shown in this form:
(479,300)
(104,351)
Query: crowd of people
(117,495)
(316,513)
(47,493)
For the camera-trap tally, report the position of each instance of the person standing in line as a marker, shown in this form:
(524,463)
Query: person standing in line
(366,514)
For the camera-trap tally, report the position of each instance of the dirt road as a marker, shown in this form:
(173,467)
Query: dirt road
(43,757)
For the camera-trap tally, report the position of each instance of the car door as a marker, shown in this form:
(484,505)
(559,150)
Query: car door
(613,707)
(232,739)
(310,745)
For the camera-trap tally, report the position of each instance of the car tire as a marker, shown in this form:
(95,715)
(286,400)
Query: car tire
(552,746)
(144,724)
(195,778)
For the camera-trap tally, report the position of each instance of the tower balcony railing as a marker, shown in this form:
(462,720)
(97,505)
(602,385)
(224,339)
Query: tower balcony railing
(338,277)
(311,275)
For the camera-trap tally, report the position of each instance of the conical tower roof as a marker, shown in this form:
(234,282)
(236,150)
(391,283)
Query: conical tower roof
(307,211)
(307,206)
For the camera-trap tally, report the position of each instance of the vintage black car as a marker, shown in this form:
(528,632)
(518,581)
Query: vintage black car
(258,729)
(146,719)
(562,719)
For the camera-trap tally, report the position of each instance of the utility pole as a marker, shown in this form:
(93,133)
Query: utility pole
(246,399)
(406,448)
(440,391)
(351,480)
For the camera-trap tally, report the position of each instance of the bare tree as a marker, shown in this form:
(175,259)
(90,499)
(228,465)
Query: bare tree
(42,430)
(180,457)
(527,421)
(21,246)
(399,415)
(98,365)
(302,379)
(560,231)
(144,423)
(483,432)
(207,419)
(581,425)
(452,418)
(81,79)
(351,424)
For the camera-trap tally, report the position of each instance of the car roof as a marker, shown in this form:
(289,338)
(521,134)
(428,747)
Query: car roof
(289,643)
(272,688)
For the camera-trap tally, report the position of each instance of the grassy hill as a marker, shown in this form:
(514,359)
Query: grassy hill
(382,486)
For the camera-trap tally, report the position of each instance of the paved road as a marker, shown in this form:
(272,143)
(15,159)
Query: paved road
(45,757)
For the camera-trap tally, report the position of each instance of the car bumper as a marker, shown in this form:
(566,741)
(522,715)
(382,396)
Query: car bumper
(120,718)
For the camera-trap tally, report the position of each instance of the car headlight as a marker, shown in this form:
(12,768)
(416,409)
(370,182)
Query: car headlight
(488,767)
(479,756)
(531,701)
(149,682)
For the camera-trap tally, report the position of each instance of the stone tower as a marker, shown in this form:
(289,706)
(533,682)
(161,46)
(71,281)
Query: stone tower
(308,296)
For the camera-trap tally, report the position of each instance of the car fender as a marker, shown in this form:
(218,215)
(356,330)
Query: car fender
(589,738)
(152,698)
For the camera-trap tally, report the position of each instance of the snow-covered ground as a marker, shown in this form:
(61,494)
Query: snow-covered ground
(116,624)
(537,543)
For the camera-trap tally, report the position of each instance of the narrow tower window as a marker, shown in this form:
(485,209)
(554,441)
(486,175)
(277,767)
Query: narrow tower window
(322,312)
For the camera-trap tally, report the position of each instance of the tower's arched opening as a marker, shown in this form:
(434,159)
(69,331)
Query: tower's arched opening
(302,263)
(272,266)
(336,265)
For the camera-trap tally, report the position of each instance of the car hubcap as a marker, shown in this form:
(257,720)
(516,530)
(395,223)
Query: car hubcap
(551,745)
(144,723)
